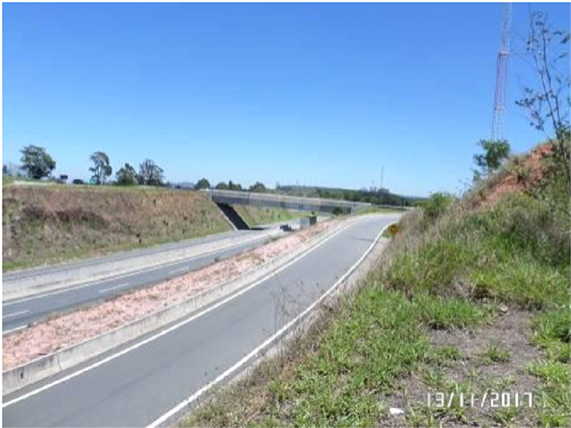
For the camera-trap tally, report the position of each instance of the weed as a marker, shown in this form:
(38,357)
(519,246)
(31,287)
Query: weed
(447,269)
(505,416)
(447,353)
(554,395)
(494,353)
(552,372)
(436,205)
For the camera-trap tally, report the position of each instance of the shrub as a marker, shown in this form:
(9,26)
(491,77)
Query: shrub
(337,211)
(436,205)
(495,153)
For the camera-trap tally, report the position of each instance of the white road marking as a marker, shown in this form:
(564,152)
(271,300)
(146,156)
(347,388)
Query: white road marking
(39,296)
(132,273)
(172,328)
(182,269)
(268,342)
(16,313)
(14,329)
(105,290)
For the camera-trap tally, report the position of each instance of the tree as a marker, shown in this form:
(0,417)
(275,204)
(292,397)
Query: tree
(258,188)
(126,176)
(548,107)
(495,153)
(234,186)
(37,162)
(150,173)
(203,183)
(101,168)
(222,186)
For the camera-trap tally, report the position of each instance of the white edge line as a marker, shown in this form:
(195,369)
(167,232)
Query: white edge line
(172,328)
(104,290)
(268,342)
(14,329)
(125,275)
(16,313)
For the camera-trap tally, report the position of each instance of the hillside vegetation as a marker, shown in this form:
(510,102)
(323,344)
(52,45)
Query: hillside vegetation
(256,216)
(42,224)
(472,297)
(372,196)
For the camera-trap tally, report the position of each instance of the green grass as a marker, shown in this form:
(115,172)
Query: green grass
(376,338)
(256,216)
(554,396)
(442,313)
(449,268)
(81,253)
(447,353)
(551,333)
(379,210)
(494,353)
(471,255)
(387,234)
(7,180)
(505,416)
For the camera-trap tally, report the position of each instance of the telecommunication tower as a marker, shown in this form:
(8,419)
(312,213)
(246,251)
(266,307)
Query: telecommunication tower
(501,74)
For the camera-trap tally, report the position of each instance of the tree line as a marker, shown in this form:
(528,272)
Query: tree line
(372,196)
(37,164)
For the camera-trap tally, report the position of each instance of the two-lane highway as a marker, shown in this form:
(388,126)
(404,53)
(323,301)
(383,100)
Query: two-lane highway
(17,313)
(138,383)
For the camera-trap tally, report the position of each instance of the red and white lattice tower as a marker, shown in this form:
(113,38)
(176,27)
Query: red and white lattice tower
(501,74)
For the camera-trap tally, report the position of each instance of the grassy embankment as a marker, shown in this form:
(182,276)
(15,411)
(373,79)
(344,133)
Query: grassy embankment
(380,210)
(470,297)
(256,216)
(49,224)
(7,180)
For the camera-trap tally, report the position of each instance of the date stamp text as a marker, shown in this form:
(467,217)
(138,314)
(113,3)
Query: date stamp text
(488,399)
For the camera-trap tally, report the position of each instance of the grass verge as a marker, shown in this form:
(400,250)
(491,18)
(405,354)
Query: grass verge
(256,216)
(466,304)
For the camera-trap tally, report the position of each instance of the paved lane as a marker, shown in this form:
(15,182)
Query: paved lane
(18,313)
(156,372)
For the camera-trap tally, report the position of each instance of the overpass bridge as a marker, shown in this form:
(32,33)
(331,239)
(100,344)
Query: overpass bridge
(271,200)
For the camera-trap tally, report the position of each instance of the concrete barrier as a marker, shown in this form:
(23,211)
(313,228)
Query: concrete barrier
(48,365)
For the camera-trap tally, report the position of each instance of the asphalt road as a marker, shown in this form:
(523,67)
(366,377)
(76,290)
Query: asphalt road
(7,276)
(135,384)
(17,313)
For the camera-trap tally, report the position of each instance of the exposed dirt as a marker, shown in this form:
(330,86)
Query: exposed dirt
(72,328)
(472,373)
(53,223)
(524,172)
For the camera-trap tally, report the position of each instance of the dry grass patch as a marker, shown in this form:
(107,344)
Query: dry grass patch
(48,224)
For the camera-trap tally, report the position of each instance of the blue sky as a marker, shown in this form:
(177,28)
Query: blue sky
(319,94)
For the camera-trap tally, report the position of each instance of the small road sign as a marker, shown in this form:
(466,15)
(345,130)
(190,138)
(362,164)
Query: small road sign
(393,228)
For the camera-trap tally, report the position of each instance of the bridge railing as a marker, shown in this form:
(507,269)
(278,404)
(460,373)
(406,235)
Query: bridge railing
(285,201)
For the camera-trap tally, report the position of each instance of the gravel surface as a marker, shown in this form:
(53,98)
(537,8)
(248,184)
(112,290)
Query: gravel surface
(69,329)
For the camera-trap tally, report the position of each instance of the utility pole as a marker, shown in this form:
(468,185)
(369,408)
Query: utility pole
(382,177)
(501,74)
